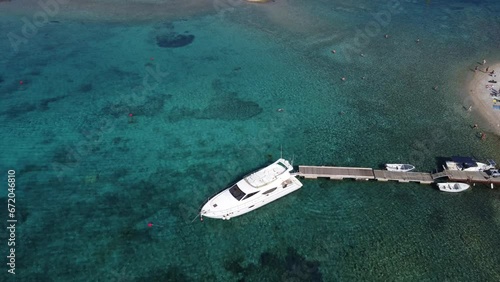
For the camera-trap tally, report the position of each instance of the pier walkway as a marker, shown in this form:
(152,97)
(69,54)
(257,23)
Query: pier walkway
(361,173)
(334,172)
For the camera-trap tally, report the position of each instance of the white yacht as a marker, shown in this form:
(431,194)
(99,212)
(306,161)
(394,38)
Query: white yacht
(468,164)
(399,167)
(453,187)
(253,191)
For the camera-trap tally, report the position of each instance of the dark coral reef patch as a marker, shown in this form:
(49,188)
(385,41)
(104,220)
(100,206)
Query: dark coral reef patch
(174,40)
(276,267)
(152,105)
(231,107)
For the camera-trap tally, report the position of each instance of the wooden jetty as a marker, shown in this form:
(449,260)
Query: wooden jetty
(361,173)
(334,172)
(419,177)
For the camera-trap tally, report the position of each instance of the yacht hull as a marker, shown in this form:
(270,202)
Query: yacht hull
(252,192)
(399,167)
(254,204)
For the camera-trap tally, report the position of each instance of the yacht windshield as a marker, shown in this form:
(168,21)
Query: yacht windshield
(236,192)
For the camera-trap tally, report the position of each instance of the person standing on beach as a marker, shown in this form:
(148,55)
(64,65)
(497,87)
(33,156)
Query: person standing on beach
(475,69)
(487,68)
(484,62)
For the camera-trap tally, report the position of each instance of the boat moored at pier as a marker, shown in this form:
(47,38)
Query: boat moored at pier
(468,164)
(253,191)
(453,187)
(400,167)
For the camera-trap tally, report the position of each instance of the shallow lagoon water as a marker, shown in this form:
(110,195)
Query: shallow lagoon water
(90,176)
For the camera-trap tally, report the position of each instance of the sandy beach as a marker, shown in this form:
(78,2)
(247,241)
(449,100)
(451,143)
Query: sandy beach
(481,89)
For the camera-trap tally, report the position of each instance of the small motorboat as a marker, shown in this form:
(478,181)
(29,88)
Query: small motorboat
(453,187)
(399,167)
(468,164)
(493,173)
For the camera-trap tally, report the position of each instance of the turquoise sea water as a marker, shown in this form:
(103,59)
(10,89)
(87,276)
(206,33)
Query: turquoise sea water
(90,177)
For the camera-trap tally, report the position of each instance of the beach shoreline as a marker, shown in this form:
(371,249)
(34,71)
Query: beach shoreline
(480,91)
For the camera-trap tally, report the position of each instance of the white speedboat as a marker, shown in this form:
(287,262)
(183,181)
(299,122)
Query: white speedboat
(399,167)
(253,191)
(453,187)
(493,173)
(468,164)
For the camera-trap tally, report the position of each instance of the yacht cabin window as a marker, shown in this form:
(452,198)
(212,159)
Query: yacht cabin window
(250,195)
(270,190)
(236,192)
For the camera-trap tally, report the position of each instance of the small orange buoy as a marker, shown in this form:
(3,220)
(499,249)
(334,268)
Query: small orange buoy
(21,82)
